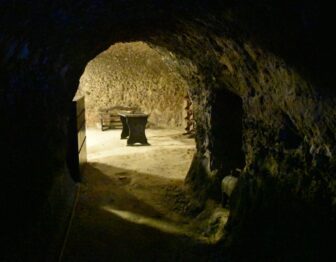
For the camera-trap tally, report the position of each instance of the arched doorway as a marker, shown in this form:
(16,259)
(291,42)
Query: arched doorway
(138,188)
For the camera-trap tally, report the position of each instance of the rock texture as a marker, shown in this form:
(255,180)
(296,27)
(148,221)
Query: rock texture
(288,164)
(135,75)
(263,98)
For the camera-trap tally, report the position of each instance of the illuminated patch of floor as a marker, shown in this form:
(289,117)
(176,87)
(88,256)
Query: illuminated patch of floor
(159,224)
(133,204)
(169,155)
(169,227)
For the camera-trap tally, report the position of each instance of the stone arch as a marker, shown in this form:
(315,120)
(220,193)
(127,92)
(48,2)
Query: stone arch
(133,74)
(239,46)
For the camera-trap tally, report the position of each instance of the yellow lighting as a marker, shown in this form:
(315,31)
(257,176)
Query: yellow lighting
(163,226)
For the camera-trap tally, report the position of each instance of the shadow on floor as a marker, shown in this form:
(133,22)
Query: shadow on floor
(99,235)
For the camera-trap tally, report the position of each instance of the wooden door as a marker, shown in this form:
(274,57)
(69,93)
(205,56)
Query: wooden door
(77,155)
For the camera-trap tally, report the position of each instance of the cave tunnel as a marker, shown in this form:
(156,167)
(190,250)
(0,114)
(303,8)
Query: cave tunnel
(264,106)
(135,78)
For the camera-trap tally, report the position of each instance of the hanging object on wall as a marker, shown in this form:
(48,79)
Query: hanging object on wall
(188,116)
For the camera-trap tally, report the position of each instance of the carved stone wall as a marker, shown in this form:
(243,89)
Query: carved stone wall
(135,75)
(268,61)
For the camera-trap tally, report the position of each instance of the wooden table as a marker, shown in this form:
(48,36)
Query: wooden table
(134,126)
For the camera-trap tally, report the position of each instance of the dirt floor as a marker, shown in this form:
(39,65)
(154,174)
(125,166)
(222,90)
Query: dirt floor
(134,206)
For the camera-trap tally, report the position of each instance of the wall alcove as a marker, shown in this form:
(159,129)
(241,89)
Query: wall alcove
(286,180)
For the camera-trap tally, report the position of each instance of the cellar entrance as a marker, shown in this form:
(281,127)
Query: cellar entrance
(134,194)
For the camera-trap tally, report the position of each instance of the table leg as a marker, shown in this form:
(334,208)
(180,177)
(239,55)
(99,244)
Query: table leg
(137,130)
(125,129)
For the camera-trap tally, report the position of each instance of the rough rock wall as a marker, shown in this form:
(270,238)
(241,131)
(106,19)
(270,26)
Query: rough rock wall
(135,75)
(289,152)
(286,174)
(272,55)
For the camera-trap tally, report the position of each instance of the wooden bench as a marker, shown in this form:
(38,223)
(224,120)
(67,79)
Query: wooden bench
(109,118)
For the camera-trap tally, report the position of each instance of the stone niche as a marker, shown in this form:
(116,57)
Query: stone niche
(134,75)
(271,57)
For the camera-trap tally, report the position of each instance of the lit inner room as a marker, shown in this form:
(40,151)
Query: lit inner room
(140,183)
(170,131)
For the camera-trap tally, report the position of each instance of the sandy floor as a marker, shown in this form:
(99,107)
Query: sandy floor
(169,154)
(133,204)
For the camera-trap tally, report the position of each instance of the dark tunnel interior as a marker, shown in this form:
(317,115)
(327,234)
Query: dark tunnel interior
(259,77)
